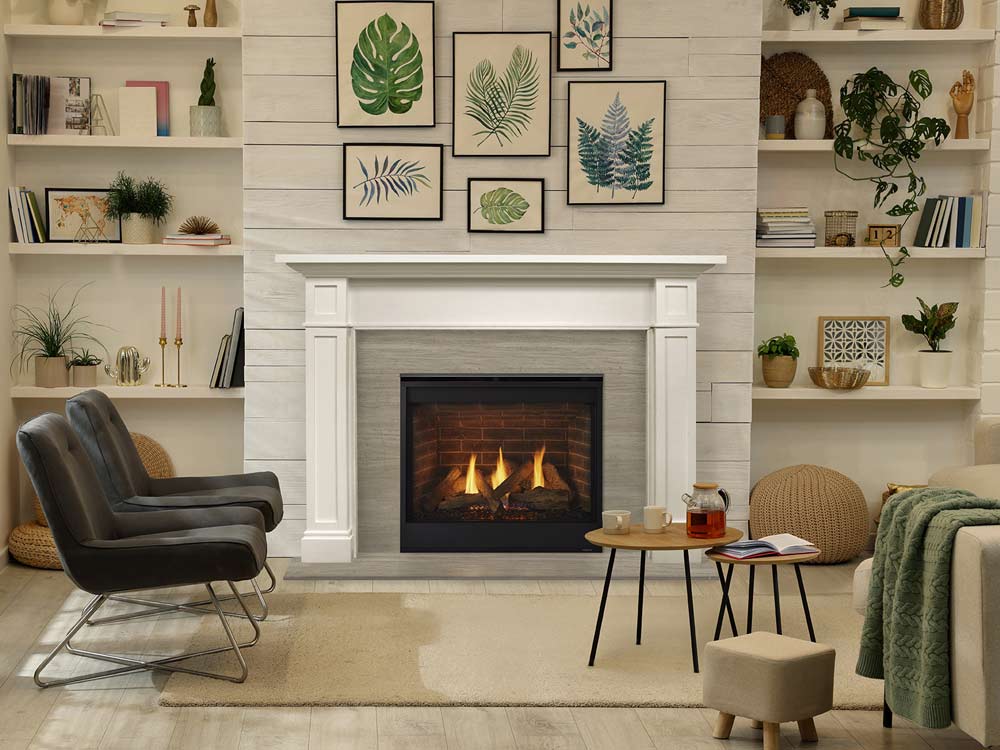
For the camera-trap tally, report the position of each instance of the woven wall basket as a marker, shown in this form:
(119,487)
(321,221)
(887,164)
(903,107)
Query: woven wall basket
(815,503)
(784,79)
(32,545)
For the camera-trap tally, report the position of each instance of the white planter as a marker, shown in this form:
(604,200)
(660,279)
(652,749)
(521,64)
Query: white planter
(935,369)
(206,121)
(66,12)
(777,17)
(137,230)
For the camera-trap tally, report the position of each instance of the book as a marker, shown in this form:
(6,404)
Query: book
(943,222)
(776,544)
(182,236)
(136,112)
(162,89)
(874,24)
(236,335)
(199,243)
(15,213)
(130,24)
(135,15)
(977,218)
(923,228)
(68,110)
(220,357)
(26,213)
(36,217)
(871,12)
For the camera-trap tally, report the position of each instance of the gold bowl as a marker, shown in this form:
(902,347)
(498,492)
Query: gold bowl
(839,378)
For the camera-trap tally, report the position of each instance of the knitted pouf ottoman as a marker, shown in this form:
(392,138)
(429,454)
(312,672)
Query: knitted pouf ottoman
(815,503)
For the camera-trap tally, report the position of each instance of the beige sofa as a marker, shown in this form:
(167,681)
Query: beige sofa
(975,610)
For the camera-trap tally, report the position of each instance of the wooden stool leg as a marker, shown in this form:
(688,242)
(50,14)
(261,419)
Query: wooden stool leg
(723,726)
(772,735)
(756,724)
(807,731)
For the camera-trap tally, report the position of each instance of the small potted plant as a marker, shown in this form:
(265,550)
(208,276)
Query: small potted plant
(206,118)
(933,324)
(779,359)
(140,206)
(775,18)
(83,368)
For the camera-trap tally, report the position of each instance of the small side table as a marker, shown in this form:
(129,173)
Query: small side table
(774,561)
(673,538)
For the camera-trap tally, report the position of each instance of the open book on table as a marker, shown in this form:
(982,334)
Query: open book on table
(776,544)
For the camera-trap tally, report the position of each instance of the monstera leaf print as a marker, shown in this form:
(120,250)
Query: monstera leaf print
(384,180)
(387,73)
(616,156)
(502,206)
(503,105)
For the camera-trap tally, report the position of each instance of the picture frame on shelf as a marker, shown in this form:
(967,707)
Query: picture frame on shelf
(512,67)
(69,106)
(585,32)
(393,181)
(80,215)
(506,205)
(616,133)
(855,341)
(385,63)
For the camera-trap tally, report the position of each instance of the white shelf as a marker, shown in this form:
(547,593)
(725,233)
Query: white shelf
(114,141)
(854,36)
(868,393)
(109,248)
(147,392)
(869,253)
(41,30)
(789,146)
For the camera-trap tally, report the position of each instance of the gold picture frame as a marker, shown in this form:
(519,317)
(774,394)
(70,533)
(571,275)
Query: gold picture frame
(846,339)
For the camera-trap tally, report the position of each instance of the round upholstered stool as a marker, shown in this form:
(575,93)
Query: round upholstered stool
(770,679)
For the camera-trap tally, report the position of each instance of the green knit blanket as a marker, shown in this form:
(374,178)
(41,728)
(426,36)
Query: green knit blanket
(906,639)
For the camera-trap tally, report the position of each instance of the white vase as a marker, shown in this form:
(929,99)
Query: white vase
(810,118)
(777,17)
(935,369)
(137,230)
(206,121)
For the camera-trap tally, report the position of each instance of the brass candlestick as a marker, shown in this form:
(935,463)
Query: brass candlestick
(163,364)
(179,342)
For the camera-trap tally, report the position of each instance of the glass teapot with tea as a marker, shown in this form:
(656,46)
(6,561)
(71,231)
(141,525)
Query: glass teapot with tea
(706,511)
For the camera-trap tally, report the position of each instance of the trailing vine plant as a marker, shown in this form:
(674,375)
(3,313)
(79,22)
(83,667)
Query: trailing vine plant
(892,138)
(801,7)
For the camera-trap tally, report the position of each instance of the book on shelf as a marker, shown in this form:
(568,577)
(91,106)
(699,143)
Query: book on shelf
(69,106)
(25,216)
(785,227)
(767,546)
(29,110)
(866,11)
(874,24)
(162,89)
(952,221)
(229,373)
(220,357)
(206,240)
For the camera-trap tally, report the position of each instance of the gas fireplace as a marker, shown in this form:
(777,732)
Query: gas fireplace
(500,463)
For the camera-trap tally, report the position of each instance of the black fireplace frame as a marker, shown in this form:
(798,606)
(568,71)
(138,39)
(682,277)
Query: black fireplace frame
(499,536)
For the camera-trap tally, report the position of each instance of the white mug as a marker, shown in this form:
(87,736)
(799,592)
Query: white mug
(616,521)
(655,519)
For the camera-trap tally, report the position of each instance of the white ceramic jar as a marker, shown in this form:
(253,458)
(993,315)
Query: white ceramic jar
(810,118)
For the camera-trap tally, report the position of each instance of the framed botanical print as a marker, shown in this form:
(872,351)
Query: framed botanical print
(385,63)
(393,181)
(617,135)
(80,215)
(514,206)
(585,38)
(502,98)
(861,341)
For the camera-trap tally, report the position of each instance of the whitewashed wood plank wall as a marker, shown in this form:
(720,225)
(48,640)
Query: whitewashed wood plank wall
(709,53)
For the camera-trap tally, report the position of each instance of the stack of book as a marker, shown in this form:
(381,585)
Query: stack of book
(202,240)
(952,221)
(785,227)
(29,112)
(55,106)
(132,19)
(25,216)
(873,19)
(229,362)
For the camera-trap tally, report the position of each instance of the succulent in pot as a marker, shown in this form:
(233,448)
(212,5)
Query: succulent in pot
(83,368)
(141,206)
(779,360)
(206,117)
(933,324)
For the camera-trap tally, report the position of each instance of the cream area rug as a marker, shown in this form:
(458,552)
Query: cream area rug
(482,650)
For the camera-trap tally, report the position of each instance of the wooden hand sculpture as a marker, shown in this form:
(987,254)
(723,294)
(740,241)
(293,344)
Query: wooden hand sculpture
(963,94)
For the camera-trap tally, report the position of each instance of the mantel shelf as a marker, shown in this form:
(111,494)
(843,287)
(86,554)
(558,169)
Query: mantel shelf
(868,253)
(114,141)
(61,249)
(793,146)
(43,30)
(868,393)
(854,36)
(147,392)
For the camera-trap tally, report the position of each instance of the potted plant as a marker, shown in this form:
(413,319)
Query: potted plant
(84,368)
(777,20)
(779,359)
(66,12)
(140,206)
(206,118)
(45,337)
(933,324)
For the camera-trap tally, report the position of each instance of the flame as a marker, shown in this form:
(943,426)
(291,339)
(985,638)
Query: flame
(470,477)
(500,473)
(539,478)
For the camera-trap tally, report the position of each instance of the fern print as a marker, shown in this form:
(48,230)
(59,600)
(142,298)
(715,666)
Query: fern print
(400,179)
(591,33)
(616,156)
(615,132)
(635,159)
(503,105)
(593,156)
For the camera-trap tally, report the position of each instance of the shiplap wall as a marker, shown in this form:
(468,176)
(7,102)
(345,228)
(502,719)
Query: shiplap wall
(709,53)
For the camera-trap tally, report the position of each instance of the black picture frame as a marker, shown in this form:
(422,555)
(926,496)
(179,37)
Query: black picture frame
(454,97)
(420,146)
(560,4)
(433,59)
(569,135)
(48,216)
(468,202)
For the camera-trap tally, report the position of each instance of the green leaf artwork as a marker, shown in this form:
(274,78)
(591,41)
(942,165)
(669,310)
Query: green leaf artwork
(387,73)
(502,206)
(616,156)
(503,106)
(400,179)
(591,31)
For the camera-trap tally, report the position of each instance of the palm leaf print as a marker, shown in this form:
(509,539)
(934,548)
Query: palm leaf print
(387,73)
(400,179)
(616,156)
(502,206)
(503,106)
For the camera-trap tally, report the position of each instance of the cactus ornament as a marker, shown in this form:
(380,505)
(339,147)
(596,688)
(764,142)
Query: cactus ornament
(206,117)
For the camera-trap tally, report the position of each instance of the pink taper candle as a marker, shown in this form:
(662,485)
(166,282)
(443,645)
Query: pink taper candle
(163,312)
(178,336)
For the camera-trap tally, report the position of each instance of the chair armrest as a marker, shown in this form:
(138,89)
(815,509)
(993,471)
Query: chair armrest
(192,485)
(162,521)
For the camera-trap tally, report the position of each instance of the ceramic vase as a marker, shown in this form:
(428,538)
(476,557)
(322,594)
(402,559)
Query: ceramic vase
(206,121)
(137,230)
(211,17)
(66,12)
(935,369)
(779,372)
(51,372)
(941,14)
(810,118)
(84,376)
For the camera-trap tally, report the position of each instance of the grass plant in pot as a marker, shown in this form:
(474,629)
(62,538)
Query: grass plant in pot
(206,117)
(933,324)
(83,368)
(141,206)
(779,357)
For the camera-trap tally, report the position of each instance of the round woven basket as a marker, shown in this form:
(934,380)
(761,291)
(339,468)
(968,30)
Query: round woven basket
(815,503)
(784,80)
(153,456)
(32,545)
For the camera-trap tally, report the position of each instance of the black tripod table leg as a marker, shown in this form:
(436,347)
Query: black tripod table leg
(642,587)
(690,601)
(805,604)
(777,598)
(604,602)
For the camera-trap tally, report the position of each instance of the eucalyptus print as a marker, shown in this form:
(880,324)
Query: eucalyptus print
(590,34)
(616,156)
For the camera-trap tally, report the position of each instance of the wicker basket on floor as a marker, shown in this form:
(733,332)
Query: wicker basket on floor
(153,456)
(32,545)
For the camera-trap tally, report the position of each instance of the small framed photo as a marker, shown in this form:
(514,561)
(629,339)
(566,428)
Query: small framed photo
(617,135)
(514,206)
(585,37)
(502,98)
(856,341)
(393,181)
(80,215)
(385,63)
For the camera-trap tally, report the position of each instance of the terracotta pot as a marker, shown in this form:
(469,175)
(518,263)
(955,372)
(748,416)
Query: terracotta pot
(137,230)
(779,372)
(935,369)
(51,372)
(84,376)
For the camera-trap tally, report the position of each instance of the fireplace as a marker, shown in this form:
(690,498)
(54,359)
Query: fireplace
(500,463)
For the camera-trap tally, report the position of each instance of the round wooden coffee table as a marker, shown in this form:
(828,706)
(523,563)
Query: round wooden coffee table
(673,538)
(774,561)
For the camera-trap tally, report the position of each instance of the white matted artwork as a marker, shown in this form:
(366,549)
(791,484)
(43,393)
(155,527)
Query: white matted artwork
(510,205)
(856,341)
(385,63)
(393,181)
(617,136)
(502,99)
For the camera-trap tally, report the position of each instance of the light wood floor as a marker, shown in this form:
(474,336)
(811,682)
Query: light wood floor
(37,607)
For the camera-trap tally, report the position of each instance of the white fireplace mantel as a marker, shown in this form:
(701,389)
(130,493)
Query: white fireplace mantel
(383,291)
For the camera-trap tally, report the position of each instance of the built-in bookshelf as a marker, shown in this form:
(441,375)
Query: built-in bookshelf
(119,249)
(139,392)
